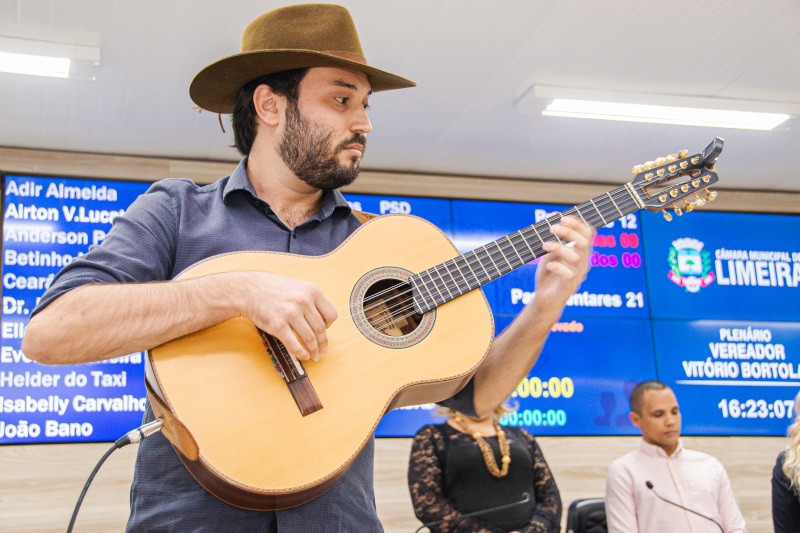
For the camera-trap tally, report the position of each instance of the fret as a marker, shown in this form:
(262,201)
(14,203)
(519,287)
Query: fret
(516,251)
(497,245)
(444,282)
(477,281)
(521,261)
(415,288)
(458,277)
(628,187)
(488,277)
(537,234)
(599,213)
(615,204)
(553,234)
(435,286)
(499,272)
(427,289)
(526,244)
(584,220)
(466,281)
(599,221)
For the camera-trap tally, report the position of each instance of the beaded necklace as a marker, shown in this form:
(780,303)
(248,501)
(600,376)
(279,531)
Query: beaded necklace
(486,449)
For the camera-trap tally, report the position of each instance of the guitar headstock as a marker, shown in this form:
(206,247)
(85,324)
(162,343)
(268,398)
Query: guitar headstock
(662,183)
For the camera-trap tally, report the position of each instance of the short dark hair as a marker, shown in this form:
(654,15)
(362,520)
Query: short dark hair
(285,83)
(637,394)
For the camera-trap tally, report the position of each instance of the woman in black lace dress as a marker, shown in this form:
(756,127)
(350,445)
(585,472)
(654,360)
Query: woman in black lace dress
(468,464)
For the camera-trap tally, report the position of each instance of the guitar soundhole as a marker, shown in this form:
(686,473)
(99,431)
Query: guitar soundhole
(389,308)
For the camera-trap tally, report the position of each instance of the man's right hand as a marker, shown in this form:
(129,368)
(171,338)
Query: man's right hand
(283,307)
(100,321)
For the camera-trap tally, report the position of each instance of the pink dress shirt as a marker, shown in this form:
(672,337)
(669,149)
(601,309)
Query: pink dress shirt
(692,479)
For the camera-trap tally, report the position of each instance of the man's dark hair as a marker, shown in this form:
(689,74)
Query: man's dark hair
(285,83)
(637,394)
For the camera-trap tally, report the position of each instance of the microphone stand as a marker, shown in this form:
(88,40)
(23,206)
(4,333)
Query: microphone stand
(525,499)
(650,486)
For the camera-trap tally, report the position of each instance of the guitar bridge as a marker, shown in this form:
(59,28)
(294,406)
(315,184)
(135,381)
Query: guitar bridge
(294,374)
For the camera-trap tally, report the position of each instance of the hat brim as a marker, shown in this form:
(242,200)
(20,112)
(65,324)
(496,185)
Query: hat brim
(216,87)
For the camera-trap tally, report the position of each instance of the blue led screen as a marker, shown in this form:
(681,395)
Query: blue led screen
(675,301)
(47,223)
(724,266)
(731,377)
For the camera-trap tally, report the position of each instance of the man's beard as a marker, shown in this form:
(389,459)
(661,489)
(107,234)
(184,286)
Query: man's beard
(305,148)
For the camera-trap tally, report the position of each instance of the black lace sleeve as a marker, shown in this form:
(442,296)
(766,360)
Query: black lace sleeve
(425,484)
(546,517)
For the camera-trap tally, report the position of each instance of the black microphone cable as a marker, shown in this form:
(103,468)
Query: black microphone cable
(525,499)
(132,437)
(650,486)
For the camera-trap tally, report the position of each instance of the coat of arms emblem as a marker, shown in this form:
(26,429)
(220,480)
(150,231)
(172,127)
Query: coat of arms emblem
(689,264)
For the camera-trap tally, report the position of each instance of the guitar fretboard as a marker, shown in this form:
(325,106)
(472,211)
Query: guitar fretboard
(449,280)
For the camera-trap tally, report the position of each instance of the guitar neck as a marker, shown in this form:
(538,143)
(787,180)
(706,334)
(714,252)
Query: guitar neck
(460,275)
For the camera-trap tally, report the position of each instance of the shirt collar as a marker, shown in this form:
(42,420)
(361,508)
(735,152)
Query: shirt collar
(239,181)
(656,451)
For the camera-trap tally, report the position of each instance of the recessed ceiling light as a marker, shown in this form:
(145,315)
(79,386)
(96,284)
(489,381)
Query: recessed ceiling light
(55,67)
(655,108)
(658,114)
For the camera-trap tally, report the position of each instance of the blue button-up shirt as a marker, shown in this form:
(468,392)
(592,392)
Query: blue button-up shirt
(169,228)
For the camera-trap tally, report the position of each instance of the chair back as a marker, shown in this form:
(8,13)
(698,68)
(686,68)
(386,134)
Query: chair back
(587,516)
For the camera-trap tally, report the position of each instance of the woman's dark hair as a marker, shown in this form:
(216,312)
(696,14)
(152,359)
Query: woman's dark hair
(285,83)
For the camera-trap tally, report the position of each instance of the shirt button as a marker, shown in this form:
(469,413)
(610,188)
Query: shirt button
(294,234)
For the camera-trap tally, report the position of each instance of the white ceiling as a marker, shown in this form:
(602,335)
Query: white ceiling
(472,59)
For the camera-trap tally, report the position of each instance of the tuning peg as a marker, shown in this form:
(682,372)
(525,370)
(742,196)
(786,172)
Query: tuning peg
(648,165)
(682,154)
(699,202)
(689,207)
(671,158)
(637,169)
(660,161)
(667,216)
(678,210)
(711,195)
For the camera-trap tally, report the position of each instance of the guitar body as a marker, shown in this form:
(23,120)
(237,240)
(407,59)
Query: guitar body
(230,414)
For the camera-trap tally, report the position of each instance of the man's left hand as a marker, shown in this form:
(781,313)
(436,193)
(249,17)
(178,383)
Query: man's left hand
(564,268)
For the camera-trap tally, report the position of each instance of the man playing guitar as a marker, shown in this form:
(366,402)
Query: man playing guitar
(298,94)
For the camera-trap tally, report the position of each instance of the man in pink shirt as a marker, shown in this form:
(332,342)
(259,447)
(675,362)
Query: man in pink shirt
(694,480)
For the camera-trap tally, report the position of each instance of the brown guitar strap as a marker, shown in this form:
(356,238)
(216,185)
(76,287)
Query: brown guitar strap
(364,217)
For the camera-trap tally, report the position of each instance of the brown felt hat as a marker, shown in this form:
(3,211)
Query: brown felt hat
(308,35)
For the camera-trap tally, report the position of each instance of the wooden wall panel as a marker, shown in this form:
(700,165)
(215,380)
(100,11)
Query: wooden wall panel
(40,484)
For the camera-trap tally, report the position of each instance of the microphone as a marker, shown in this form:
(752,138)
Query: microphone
(525,499)
(650,486)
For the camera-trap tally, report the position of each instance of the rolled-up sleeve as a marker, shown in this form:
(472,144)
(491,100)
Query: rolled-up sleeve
(140,247)
(462,401)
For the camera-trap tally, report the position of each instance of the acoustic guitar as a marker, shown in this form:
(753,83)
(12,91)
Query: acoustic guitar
(261,430)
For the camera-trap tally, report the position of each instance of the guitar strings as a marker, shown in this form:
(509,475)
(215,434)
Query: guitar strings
(607,199)
(602,205)
(604,198)
(393,307)
(505,248)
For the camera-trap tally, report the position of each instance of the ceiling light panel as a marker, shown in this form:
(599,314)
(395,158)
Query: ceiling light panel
(54,67)
(655,108)
(656,114)
(43,58)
